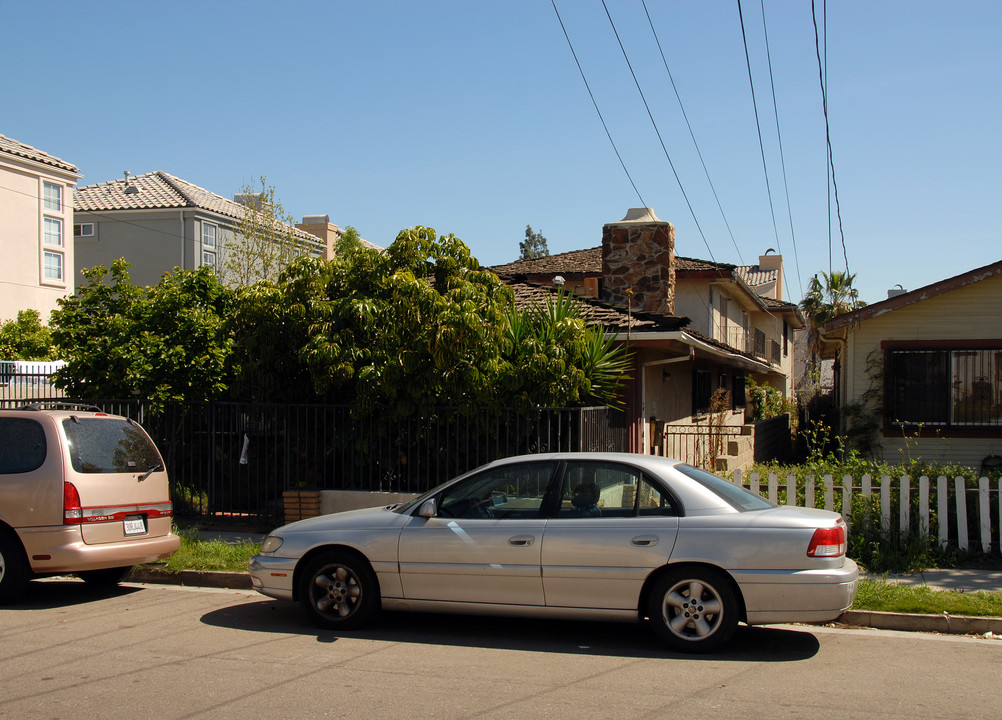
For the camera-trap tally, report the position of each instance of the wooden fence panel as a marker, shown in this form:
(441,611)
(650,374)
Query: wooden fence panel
(903,498)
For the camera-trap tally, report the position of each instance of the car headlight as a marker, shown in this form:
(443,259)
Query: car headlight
(271,544)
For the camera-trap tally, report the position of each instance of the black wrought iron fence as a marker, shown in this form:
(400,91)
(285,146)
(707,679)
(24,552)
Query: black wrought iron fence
(234,460)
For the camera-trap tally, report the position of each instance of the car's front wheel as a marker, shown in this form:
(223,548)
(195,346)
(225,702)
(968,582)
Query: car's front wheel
(13,569)
(694,610)
(339,590)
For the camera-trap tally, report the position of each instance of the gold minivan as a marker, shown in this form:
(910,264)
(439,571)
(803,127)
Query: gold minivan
(81,492)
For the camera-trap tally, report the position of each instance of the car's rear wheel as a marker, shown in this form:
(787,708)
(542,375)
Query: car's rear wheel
(694,610)
(13,569)
(339,590)
(104,576)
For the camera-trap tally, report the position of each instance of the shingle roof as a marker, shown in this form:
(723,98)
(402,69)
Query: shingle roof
(159,190)
(590,262)
(575,261)
(27,152)
(597,312)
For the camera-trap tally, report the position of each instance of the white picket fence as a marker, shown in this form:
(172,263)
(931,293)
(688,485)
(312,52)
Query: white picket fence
(849,489)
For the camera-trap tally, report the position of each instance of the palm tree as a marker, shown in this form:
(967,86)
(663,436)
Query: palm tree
(825,301)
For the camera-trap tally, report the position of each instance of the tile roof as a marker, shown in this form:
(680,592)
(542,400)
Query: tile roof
(755,275)
(597,312)
(157,191)
(27,152)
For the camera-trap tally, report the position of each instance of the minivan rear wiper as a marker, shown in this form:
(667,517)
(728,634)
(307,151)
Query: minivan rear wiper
(149,472)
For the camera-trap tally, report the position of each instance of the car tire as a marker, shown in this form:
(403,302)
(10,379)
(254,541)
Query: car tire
(104,576)
(14,574)
(694,610)
(339,591)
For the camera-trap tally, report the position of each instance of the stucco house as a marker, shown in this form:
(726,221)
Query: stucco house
(693,326)
(922,370)
(36,217)
(157,222)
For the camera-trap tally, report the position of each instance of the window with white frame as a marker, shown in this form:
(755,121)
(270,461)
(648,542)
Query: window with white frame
(52,265)
(83,230)
(52,196)
(209,258)
(208,235)
(53,231)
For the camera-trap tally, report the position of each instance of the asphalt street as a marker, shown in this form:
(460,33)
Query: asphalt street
(173,652)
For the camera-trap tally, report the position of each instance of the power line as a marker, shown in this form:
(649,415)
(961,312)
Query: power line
(782,158)
(595,104)
(828,137)
(663,147)
(758,127)
(691,133)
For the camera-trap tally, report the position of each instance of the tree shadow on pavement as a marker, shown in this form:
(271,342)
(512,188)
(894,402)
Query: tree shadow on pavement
(749,644)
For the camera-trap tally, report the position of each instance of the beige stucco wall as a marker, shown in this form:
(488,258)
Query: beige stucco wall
(969,313)
(22,285)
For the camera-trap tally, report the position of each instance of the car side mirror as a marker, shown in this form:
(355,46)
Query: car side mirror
(428,509)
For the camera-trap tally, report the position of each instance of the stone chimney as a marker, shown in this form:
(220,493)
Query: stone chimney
(322,227)
(638,254)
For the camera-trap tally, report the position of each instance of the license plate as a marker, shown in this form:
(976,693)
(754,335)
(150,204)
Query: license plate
(135,525)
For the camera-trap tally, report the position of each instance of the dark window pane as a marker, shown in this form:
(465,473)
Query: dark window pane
(22,445)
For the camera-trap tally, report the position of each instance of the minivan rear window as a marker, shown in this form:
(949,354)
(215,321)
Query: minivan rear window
(22,445)
(108,445)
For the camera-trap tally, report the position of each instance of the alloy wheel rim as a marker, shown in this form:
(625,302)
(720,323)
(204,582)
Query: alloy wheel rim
(692,610)
(336,591)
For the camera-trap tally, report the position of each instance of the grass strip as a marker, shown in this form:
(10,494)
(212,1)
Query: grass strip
(885,596)
(210,555)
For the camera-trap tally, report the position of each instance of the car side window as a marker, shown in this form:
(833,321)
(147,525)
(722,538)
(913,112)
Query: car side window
(599,489)
(22,445)
(506,492)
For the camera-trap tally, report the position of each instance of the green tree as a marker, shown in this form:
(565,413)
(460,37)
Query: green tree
(26,338)
(348,241)
(265,241)
(534,245)
(163,342)
(418,325)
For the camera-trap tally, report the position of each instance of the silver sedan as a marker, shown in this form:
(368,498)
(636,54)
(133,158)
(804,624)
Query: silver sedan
(573,535)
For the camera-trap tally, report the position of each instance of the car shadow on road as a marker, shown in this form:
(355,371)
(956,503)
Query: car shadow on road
(750,644)
(52,593)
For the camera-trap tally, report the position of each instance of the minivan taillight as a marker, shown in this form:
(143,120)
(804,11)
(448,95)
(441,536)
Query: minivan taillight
(828,542)
(72,511)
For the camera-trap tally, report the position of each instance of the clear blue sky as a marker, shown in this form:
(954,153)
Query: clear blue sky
(472,118)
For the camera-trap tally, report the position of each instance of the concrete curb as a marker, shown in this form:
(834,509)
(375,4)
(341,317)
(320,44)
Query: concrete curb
(193,578)
(947,624)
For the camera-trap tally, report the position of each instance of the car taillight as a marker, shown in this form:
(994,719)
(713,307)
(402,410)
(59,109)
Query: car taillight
(72,511)
(828,542)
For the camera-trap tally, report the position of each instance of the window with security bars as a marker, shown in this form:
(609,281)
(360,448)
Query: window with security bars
(945,387)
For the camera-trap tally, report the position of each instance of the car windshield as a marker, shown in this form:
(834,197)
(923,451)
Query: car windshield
(109,445)
(734,495)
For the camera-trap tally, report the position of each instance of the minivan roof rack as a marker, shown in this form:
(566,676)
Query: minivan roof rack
(60,405)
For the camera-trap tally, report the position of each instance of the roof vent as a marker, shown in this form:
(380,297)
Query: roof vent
(130,189)
(895,291)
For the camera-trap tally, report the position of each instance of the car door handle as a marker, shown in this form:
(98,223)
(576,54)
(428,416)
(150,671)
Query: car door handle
(523,540)
(645,540)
